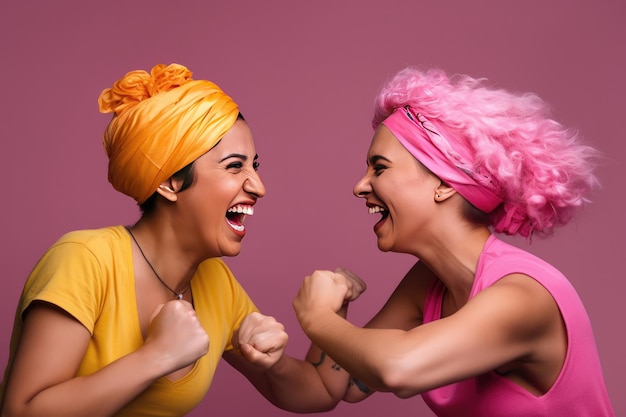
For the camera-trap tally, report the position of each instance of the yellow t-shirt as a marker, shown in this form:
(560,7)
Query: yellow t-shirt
(89,274)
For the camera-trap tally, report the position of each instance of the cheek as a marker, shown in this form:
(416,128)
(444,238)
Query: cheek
(408,200)
(395,191)
(205,204)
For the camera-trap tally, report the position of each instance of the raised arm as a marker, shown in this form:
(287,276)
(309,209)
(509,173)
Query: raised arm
(507,322)
(288,383)
(314,384)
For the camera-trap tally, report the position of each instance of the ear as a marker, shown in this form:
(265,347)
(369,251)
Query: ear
(443,192)
(168,190)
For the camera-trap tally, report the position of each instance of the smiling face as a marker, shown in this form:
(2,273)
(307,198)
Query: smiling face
(224,192)
(399,189)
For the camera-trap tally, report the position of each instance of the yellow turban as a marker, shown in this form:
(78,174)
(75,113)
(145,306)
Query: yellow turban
(162,122)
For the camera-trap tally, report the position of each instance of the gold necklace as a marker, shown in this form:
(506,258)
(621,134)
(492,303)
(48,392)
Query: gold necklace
(178,295)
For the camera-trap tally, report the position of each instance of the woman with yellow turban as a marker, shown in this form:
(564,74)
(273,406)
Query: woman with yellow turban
(132,321)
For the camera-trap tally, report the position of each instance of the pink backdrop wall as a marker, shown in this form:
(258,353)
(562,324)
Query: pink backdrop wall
(304,74)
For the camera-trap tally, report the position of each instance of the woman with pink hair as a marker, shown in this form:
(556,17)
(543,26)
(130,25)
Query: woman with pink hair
(477,327)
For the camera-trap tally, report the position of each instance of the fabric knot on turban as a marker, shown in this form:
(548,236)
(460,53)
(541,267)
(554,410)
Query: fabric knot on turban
(162,122)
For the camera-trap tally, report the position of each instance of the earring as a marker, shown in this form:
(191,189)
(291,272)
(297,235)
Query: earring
(438,196)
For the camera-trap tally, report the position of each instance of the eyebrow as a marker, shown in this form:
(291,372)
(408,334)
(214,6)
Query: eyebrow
(375,158)
(239,156)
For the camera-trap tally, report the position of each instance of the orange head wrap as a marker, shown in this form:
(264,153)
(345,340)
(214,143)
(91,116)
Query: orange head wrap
(162,122)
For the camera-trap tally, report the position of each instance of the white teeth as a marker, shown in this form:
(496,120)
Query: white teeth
(244,210)
(239,228)
(249,210)
(375,209)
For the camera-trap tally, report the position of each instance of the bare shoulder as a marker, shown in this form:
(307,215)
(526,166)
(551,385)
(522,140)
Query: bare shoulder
(522,301)
(512,327)
(517,306)
(530,327)
(525,321)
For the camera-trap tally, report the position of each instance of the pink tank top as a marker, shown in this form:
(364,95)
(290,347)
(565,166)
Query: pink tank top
(578,391)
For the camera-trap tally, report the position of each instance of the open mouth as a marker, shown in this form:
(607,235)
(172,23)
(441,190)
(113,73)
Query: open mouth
(378,209)
(236,215)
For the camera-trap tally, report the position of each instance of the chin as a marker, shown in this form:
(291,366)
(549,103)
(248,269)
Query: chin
(391,246)
(231,251)
(383,247)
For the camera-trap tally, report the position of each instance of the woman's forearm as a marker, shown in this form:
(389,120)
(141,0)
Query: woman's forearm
(100,394)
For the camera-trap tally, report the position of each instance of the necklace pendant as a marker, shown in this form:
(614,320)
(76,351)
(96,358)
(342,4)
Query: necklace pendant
(177,295)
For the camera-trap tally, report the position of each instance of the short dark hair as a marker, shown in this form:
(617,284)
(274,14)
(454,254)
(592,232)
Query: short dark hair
(187,175)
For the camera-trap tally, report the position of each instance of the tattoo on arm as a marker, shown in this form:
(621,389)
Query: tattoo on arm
(318,363)
(322,358)
(353,381)
(361,386)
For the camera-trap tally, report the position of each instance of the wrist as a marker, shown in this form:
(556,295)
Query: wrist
(343,310)
(280,367)
(157,364)
(313,319)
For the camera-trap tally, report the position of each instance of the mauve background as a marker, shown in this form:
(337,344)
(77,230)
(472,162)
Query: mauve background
(305,75)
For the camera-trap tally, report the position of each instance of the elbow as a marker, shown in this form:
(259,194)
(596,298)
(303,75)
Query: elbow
(400,386)
(405,393)
(398,379)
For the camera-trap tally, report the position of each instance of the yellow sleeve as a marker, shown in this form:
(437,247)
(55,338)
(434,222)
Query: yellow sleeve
(68,276)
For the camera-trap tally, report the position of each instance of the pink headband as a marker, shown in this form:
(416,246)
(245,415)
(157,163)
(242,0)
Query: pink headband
(445,157)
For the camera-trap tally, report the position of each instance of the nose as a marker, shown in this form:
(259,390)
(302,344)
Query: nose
(362,188)
(253,185)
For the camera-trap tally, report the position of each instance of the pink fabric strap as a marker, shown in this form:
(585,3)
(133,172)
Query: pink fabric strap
(444,157)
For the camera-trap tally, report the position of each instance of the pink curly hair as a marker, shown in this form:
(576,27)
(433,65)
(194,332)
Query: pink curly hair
(545,174)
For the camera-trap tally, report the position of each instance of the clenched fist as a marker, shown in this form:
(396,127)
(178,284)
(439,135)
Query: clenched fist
(327,291)
(261,339)
(176,333)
